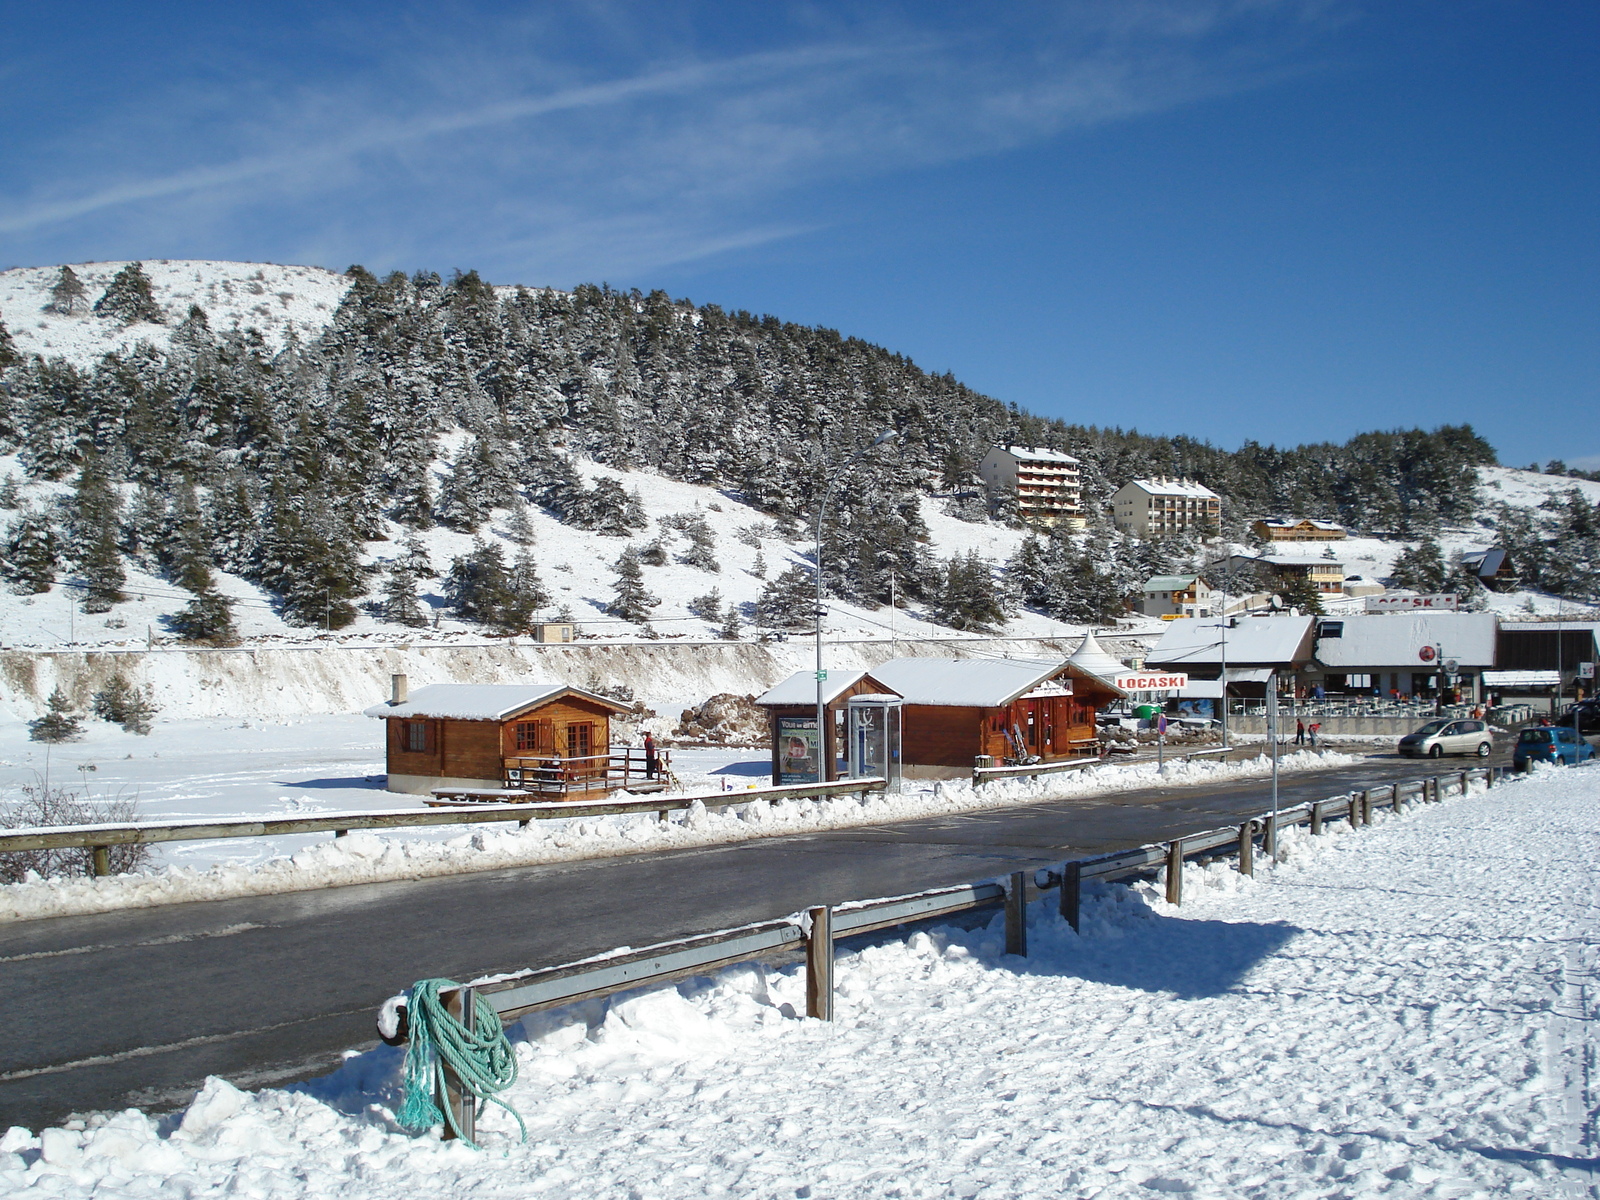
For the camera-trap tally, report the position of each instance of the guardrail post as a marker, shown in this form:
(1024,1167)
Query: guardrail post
(1366,806)
(980,763)
(1269,837)
(1247,848)
(1175,872)
(1017,915)
(463,1105)
(101,860)
(1071,893)
(819,965)
(1316,818)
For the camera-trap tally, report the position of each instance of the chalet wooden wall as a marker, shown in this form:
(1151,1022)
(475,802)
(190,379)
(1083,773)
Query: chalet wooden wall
(938,735)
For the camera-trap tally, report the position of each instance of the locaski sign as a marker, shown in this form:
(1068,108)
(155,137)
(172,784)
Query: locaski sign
(1151,681)
(1395,603)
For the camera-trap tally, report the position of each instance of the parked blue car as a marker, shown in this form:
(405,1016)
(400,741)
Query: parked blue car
(1550,744)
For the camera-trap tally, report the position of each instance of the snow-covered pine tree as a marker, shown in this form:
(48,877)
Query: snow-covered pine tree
(92,537)
(653,553)
(967,598)
(123,704)
(59,723)
(399,603)
(67,293)
(731,626)
(610,511)
(707,607)
(525,595)
(759,567)
(1420,568)
(30,553)
(415,557)
(478,586)
(10,492)
(701,553)
(128,299)
(207,620)
(519,529)
(235,528)
(9,354)
(789,601)
(631,601)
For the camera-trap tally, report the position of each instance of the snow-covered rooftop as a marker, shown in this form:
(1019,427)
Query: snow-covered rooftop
(962,682)
(801,688)
(1269,641)
(1397,640)
(1187,488)
(480,701)
(1039,454)
(1091,658)
(1168,583)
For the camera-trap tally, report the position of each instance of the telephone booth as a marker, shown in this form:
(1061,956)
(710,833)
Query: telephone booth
(873,737)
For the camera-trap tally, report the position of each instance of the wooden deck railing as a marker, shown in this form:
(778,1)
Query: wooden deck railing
(555,776)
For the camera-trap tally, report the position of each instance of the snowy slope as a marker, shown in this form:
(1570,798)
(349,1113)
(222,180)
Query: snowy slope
(265,296)
(1398,1012)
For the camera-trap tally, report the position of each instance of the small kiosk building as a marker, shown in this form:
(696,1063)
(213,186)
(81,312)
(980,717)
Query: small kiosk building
(547,739)
(792,708)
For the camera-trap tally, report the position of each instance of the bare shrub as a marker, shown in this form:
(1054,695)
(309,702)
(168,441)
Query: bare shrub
(42,806)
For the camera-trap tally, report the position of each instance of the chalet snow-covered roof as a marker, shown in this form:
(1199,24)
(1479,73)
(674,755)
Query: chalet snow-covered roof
(481,701)
(1255,641)
(1038,454)
(801,688)
(1169,583)
(964,682)
(1296,522)
(1298,560)
(1390,640)
(1185,488)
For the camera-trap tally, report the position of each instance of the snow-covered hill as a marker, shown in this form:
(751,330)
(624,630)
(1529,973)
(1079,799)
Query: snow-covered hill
(270,298)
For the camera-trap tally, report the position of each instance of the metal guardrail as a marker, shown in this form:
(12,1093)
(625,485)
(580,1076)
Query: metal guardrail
(812,934)
(982,775)
(99,838)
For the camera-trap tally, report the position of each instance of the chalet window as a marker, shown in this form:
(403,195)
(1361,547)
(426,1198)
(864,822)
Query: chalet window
(417,737)
(535,737)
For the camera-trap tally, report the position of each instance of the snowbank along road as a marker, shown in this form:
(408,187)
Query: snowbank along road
(274,987)
(1404,1011)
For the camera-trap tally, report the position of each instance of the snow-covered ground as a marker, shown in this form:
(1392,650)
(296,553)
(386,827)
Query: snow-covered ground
(198,769)
(1403,1011)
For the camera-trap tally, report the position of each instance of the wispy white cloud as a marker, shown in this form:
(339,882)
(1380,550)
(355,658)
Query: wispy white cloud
(500,148)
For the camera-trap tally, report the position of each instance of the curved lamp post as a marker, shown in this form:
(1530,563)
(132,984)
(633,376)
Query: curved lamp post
(823,741)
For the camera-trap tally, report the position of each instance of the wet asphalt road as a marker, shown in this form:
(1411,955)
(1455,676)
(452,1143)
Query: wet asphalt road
(137,1007)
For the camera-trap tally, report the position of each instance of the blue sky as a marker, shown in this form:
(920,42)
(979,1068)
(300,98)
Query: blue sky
(1288,221)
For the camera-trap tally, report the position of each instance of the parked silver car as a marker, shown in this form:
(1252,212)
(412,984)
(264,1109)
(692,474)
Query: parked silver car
(1438,738)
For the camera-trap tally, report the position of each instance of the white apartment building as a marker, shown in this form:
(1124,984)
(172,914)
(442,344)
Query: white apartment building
(1157,507)
(1049,490)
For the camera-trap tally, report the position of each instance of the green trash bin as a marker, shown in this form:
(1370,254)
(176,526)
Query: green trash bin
(1147,712)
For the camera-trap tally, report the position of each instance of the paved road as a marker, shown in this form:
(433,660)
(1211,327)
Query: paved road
(137,1007)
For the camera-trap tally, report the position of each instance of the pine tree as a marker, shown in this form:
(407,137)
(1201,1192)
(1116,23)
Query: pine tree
(9,356)
(519,530)
(129,299)
(525,595)
(1300,592)
(399,604)
(59,724)
(478,586)
(632,602)
(789,601)
(415,557)
(1420,568)
(123,704)
(759,567)
(731,625)
(702,545)
(653,553)
(207,620)
(967,598)
(67,294)
(708,607)
(94,536)
(30,553)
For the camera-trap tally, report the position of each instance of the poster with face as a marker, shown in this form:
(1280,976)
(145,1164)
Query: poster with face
(797,750)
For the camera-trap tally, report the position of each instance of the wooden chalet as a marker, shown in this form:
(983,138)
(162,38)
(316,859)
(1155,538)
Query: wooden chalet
(792,711)
(956,709)
(534,740)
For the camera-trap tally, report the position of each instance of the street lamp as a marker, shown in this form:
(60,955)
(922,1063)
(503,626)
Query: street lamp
(823,742)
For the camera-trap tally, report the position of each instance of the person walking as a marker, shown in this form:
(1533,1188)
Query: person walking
(1299,733)
(1316,727)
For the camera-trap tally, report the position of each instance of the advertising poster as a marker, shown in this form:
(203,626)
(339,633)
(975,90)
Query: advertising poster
(797,750)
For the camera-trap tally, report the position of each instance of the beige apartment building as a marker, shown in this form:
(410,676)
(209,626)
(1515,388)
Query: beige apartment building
(1159,507)
(1047,483)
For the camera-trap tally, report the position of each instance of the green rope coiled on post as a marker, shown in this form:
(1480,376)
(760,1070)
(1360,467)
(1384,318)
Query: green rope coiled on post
(483,1061)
